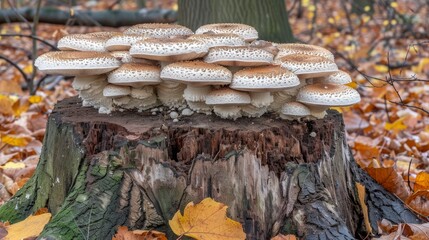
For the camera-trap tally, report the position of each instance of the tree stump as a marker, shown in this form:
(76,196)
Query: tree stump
(97,172)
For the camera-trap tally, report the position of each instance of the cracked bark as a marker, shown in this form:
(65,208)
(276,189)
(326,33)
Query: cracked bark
(98,172)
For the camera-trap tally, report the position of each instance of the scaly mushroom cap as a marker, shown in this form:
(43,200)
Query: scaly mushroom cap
(266,78)
(169,50)
(197,72)
(125,57)
(295,109)
(85,42)
(329,95)
(227,96)
(159,30)
(219,40)
(76,63)
(239,56)
(307,66)
(339,77)
(135,75)
(106,35)
(123,42)
(305,49)
(115,91)
(247,32)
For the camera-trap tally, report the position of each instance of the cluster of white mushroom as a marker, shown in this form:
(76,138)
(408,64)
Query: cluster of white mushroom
(222,68)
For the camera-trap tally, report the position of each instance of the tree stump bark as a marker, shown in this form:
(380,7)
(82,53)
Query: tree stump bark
(98,172)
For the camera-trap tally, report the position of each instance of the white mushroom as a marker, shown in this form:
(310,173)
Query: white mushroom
(247,32)
(339,77)
(159,30)
(305,49)
(308,66)
(227,102)
(294,110)
(135,75)
(239,56)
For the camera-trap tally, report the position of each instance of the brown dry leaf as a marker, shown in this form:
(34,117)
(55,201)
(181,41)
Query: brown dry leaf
(13,165)
(30,227)
(10,87)
(361,194)
(124,234)
(4,158)
(283,237)
(16,140)
(5,105)
(419,202)
(422,181)
(206,220)
(390,180)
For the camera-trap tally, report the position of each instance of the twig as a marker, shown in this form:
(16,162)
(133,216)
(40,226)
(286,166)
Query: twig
(408,180)
(30,36)
(34,53)
(15,66)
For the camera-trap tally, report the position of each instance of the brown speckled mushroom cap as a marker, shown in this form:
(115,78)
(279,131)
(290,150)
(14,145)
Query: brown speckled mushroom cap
(306,49)
(219,40)
(135,75)
(159,30)
(76,63)
(197,72)
(239,56)
(123,42)
(339,77)
(169,50)
(247,32)
(85,42)
(307,66)
(295,109)
(329,95)
(265,78)
(227,96)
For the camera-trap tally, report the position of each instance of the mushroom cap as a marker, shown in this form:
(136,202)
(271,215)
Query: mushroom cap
(339,77)
(159,30)
(114,91)
(123,42)
(239,56)
(227,96)
(265,78)
(247,32)
(295,109)
(219,40)
(135,75)
(104,34)
(326,94)
(76,63)
(84,42)
(306,49)
(125,57)
(197,72)
(172,49)
(308,66)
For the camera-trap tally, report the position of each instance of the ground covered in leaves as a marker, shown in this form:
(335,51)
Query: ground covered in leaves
(384,47)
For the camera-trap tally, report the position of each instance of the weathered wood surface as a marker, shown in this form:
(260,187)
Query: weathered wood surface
(100,171)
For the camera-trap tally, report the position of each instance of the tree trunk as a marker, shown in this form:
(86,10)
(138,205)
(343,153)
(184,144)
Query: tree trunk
(98,172)
(270,18)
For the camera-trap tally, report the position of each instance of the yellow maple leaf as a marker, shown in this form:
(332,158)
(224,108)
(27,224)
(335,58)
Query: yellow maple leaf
(30,227)
(13,165)
(15,140)
(397,125)
(206,220)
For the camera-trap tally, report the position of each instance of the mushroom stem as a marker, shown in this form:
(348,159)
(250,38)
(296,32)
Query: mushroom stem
(317,111)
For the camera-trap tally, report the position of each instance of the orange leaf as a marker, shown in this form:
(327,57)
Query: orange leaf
(361,195)
(422,181)
(124,234)
(30,227)
(16,140)
(206,220)
(396,126)
(5,105)
(390,180)
(419,202)
(10,87)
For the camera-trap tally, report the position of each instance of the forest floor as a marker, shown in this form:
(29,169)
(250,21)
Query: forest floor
(384,48)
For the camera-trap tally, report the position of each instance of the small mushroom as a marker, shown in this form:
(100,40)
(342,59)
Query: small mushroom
(339,77)
(252,111)
(115,91)
(159,30)
(227,102)
(219,40)
(239,56)
(308,66)
(76,63)
(125,57)
(261,99)
(293,110)
(320,96)
(265,78)
(135,75)
(123,42)
(305,49)
(247,32)
(169,50)
(85,42)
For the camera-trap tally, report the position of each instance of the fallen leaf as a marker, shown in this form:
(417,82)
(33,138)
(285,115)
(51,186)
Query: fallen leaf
(390,180)
(396,126)
(419,202)
(124,234)
(15,140)
(422,181)
(5,105)
(35,99)
(30,227)
(206,220)
(13,165)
